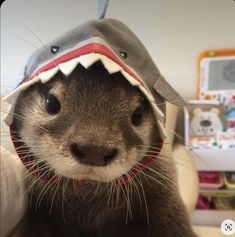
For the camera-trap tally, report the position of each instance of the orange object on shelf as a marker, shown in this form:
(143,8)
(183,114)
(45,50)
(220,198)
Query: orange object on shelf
(212,53)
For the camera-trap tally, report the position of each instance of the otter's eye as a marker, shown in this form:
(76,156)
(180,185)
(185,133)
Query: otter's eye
(52,104)
(137,116)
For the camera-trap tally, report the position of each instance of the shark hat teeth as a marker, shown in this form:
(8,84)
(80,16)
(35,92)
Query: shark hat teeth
(99,51)
(110,66)
(47,75)
(88,59)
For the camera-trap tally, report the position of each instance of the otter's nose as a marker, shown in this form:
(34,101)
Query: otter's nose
(93,155)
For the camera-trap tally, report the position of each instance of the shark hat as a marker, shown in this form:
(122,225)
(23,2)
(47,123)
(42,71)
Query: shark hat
(117,47)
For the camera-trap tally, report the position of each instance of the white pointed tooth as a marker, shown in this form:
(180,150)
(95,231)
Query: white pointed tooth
(149,96)
(47,75)
(67,67)
(132,80)
(110,66)
(88,59)
(29,83)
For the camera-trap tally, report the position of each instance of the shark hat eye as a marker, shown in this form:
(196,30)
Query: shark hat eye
(54,49)
(52,104)
(123,54)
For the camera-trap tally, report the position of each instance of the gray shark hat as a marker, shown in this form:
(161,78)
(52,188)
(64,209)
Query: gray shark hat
(116,46)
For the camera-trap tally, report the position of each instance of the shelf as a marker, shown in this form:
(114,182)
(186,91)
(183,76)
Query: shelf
(211,217)
(218,192)
(214,160)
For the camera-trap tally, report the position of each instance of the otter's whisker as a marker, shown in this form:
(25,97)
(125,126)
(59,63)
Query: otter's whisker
(23,118)
(136,187)
(65,183)
(145,203)
(29,43)
(127,204)
(53,198)
(33,183)
(159,174)
(149,176)
(44,190)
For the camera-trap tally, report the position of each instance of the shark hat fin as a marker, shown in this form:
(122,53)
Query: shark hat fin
(163,88)
(102,8)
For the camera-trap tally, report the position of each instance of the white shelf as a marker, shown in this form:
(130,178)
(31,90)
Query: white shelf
(214,160)
(212,217)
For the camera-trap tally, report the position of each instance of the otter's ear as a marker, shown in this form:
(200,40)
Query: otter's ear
(167,92)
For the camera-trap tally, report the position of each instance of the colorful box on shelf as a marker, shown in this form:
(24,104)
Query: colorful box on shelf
(210,120)
(207,125)
(210,180)
(224,203)
(216,71)
(203,203)
(213,202)
(214,193)
(229,180)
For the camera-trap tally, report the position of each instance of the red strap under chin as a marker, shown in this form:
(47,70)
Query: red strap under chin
(135,170)
(140,167)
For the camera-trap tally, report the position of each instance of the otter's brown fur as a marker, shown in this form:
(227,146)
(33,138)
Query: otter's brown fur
(97,108)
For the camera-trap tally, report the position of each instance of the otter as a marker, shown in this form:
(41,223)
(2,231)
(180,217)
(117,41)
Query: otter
(83,136)
(87,121)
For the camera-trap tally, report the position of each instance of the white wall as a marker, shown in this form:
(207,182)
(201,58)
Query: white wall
(174,31)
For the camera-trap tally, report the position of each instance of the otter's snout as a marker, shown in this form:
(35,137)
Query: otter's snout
(92,154)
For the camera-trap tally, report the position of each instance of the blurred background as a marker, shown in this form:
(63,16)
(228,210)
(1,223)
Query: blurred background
(174,32)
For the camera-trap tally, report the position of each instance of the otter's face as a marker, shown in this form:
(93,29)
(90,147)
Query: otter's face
(91,125)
